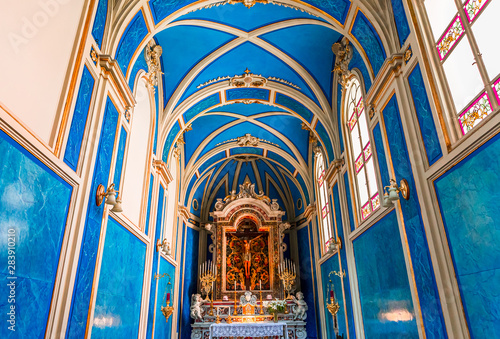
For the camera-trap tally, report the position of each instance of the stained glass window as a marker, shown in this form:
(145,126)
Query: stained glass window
(326,222)
(462,33)
(361,151)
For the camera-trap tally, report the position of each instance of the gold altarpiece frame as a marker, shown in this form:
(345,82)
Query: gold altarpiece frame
(252,217)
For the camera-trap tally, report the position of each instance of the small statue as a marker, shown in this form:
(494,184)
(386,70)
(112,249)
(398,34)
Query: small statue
(300,308)
(196,302)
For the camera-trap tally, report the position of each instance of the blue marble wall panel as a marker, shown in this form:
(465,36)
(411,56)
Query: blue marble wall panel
(281,160)
(384,288)
(424,115)
(100,22)
(90,241)
(163,329)
(468,197)
(320,129)
(119,294)
(130,40)
(79,120)
(148,210)
(161,8)
(332,264)
(201,106)
(189,279)
(169,142)
(365,33)
(294,105)
(307,279)
(156,255)
(339,117)
(247,93)
(119,158)
(246,150)
(347,186)
(417,241)
(34,204)
(343,260)
(382,160)
(401,20)
(139,64)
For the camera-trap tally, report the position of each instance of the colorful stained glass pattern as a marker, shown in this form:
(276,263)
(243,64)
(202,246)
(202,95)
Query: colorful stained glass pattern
(366,210)
(360,107)
(473,7)
(475,113)
(359,163)
(496,87)
(368,152)
(352,121)
(376,201)
(450,38)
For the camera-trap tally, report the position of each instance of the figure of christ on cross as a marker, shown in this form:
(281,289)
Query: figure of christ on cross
(247,257)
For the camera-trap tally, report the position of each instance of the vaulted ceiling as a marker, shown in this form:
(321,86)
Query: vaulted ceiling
(286,45)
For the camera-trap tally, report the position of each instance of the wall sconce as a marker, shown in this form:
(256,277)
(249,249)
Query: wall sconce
(110,195)
(392,193)
(334,245)
(165,246)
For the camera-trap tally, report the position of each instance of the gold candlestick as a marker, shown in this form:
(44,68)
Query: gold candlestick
(211,313)
(261,309)
(235,312)
(287,275)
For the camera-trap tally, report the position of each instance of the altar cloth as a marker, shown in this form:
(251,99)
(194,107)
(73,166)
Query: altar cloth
(255,330)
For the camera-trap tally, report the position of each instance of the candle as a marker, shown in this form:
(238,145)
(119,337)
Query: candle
(168,297)
(331,294)
(235,285)
(260,284)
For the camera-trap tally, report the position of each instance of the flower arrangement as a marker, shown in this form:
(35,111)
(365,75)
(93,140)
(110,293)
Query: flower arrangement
(276,306)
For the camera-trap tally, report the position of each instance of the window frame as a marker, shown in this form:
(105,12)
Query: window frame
(323,189)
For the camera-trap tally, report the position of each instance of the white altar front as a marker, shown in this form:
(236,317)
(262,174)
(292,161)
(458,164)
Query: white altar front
(253,330)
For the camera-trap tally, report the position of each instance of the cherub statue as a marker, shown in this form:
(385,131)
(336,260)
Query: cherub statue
(248,298)
(300,308)
(196,302)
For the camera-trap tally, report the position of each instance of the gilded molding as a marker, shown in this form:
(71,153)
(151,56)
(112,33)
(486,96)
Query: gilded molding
(163,171)
(110,67)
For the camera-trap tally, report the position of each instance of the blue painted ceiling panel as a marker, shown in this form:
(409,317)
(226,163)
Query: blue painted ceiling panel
(193,44)
(337,8)
(202,128)
(310,45)
(281,160)
(247,110)
(246,150)
(291,127)
(243,18)
(134,34)
(257,60)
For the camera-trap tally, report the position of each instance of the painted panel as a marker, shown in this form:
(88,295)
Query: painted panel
(358,63)
(332,265)
(367,36)
(343,261)
(294,105)
(163,329)
(337,8)
(401,20)
(306,279)
(201,106)
(424,115)
(130,40)
(34,204)
(160,8)
(384,289)
(90,241)
(154,270)
(79,120)
(169,142)
(347,186)
(247,93)
(417,241)
(468,197)
(246,150)
(320,129)
(100,22)
(281,160)
(382,160)
(119,158)
(118,301)
(189,279)
(139,64)
(148,211)
(211,161)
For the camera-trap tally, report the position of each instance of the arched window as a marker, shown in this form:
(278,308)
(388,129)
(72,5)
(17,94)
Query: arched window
(361,159)
(469,57)
(324,206)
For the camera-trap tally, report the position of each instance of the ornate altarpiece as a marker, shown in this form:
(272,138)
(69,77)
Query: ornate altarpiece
(255,219)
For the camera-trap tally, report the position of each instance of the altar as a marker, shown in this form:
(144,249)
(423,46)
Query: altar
(248,283)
